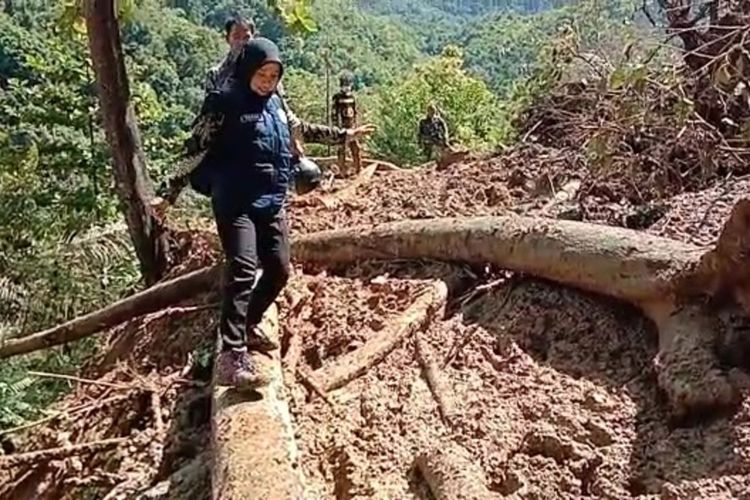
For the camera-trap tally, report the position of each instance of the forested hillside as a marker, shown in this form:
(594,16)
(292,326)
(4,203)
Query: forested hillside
(62,248)
(554,304)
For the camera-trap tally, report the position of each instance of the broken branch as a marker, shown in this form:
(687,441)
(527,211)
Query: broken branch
(434,379)
(79,379)
(58,453)
(311,383)
(356,363)
(150,300)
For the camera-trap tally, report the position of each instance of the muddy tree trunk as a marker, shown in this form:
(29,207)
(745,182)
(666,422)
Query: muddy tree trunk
(133,185)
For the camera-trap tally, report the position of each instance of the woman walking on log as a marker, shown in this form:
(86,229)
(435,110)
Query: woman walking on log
(246,170)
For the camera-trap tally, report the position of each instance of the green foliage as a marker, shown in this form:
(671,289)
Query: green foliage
(23,396)
(55,183)
(375,49)
(61,252)
(470,109)
(50,178)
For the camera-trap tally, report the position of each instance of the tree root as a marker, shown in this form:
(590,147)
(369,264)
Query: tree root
(687,366)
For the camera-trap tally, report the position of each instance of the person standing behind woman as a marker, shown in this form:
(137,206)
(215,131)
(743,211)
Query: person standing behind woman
(237,31)
(246,170)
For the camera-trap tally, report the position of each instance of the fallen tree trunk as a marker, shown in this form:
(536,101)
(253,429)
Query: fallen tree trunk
(625,264)
(656,274)
(451,474)
(255,453)
(150,300)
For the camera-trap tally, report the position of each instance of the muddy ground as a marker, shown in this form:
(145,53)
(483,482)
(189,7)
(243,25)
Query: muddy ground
(553,389)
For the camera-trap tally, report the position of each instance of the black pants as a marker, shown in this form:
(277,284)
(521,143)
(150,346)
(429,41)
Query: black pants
(249,239)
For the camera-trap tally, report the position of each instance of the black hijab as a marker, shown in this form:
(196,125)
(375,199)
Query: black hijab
(256,53)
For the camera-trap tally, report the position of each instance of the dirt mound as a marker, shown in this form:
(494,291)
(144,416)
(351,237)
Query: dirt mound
(476,188)
(553,390)
(546,412)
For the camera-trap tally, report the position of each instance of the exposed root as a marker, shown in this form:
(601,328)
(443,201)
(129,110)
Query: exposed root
(687,365)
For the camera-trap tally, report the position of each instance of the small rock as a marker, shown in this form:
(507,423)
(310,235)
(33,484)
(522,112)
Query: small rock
(596,401)
(598,433)
(514,482)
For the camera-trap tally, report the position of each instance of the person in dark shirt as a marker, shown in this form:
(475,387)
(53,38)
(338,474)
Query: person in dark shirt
(344,114)
(433,134)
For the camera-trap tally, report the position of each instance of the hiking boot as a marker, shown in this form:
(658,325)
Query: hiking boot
(258,341)
(237,369)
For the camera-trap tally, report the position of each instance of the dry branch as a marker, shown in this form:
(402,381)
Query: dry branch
(82,380)
(333,199)
(434,379)
(291,359)
(327,161)
(150,300)
(67,412)
(312,384)
(58,453)
(356,363)
(451,473)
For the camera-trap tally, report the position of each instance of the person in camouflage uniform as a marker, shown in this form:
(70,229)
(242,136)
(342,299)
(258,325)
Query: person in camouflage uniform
(207,126)
(433,134)
(237,31)
(344,115)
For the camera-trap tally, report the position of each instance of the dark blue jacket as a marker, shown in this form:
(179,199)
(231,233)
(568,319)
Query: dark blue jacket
(248,166)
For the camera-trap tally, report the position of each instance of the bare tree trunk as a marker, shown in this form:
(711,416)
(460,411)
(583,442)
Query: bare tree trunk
(132,182)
